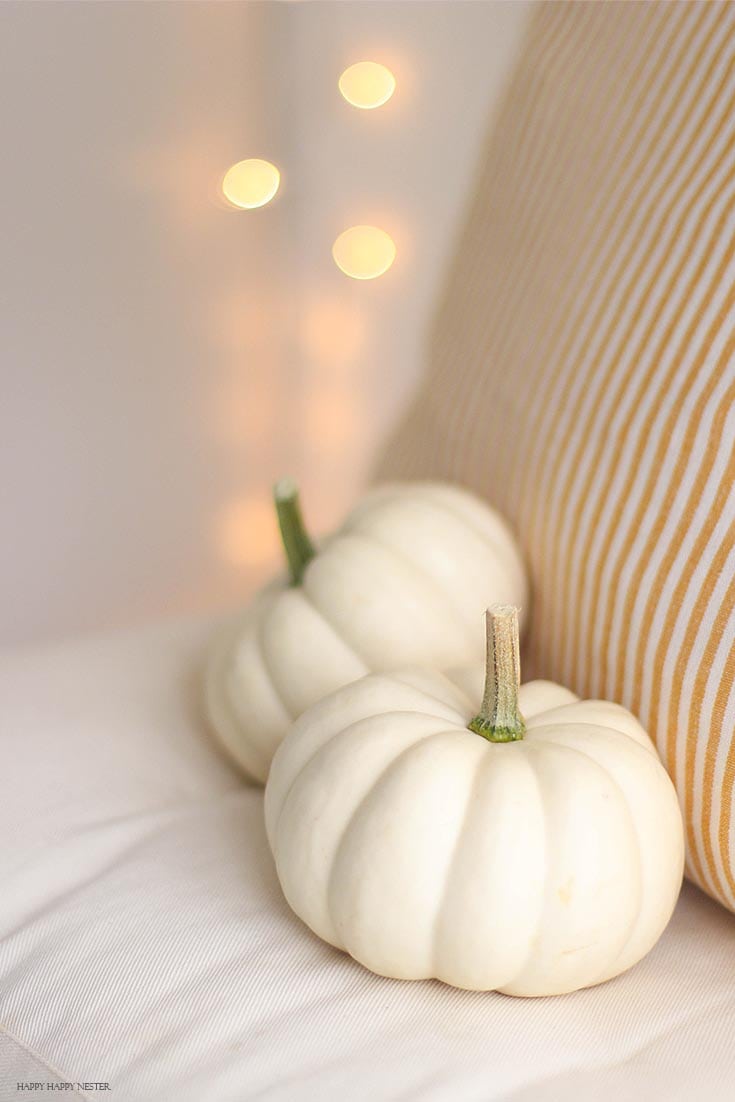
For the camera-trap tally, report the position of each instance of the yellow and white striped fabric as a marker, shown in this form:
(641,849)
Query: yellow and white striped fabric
(582,375)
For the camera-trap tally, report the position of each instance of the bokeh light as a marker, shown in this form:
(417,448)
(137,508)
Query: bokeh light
(332,421)
(250,184)
(243,411)
(364,252)
(367,84)
(246,533)
(332,331)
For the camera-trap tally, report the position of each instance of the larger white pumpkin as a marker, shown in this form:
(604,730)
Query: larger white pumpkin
(398,584)
(534,866)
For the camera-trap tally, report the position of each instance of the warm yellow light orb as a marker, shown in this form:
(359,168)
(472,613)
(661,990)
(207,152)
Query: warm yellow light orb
(245,532)
(251,183)
(364,252)
(367,84)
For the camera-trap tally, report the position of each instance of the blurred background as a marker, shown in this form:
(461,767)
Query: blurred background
(166,354)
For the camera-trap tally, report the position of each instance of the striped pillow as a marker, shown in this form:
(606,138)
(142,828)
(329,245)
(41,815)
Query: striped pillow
(582,375)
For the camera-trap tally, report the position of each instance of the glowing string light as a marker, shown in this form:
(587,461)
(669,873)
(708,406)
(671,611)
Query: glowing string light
(245,532)
(250,184)
(364,252)
(367,84)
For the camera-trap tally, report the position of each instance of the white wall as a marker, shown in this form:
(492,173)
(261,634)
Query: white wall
(164,357)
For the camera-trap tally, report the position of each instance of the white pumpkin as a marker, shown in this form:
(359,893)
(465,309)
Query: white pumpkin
(397,585)
(538,859)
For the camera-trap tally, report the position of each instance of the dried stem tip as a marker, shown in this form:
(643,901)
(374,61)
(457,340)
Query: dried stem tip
(499,719)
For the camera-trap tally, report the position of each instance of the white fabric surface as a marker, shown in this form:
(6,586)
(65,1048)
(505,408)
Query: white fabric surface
(145,941)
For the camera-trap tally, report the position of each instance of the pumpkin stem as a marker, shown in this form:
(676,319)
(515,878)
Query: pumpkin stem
(296,543)
(499,719)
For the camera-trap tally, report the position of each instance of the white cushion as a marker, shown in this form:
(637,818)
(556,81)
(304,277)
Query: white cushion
(146,943)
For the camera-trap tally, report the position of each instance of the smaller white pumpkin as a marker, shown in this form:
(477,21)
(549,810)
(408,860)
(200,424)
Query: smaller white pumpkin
(533,858)
(397,585)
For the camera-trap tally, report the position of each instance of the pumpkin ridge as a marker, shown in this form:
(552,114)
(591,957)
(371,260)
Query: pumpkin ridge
(219,706)
(441,599)
(343,731)
(428,488)
(389,493)
(258,613)
(354,815)
(484,761)
(335,645)
(349,644)
(433,487)
(615,731)
(530,758)
(501,545)
(268,665)
(606,974)
(603,974)
(411,579)
(399,676)
(586,702)
(375,498)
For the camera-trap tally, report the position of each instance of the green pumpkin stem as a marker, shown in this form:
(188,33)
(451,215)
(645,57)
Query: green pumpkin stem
(499,719)
(296,543)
